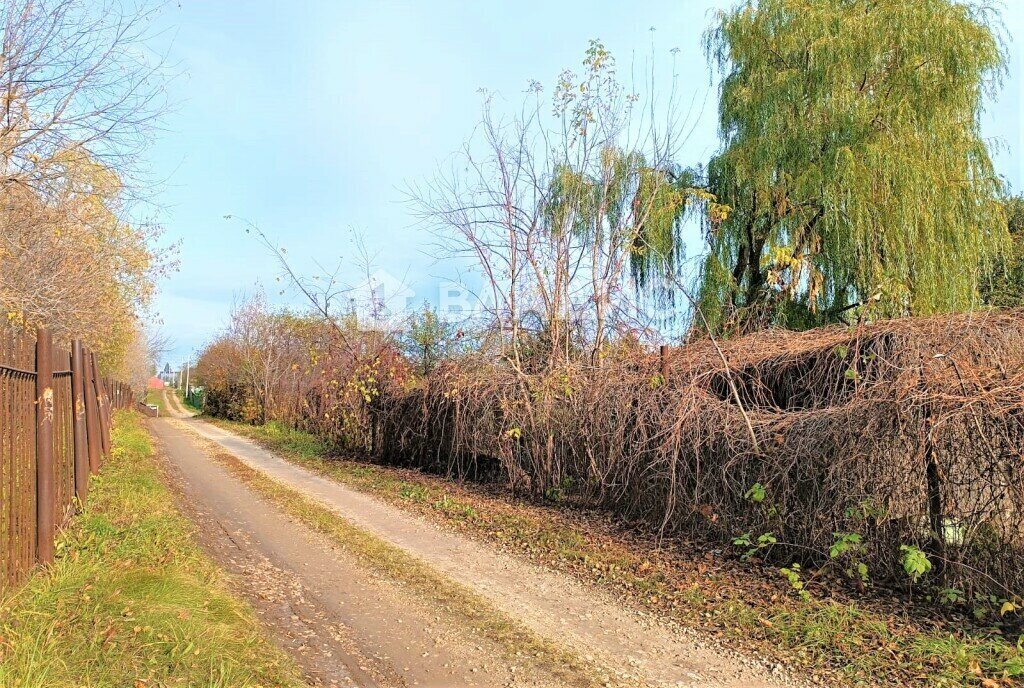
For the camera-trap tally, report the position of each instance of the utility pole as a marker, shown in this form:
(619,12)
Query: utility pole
(188,364)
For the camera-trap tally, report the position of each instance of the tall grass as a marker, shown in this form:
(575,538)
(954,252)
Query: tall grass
(131,600)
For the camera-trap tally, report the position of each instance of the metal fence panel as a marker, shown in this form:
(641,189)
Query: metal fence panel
(23,434)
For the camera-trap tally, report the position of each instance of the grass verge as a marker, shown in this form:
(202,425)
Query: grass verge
(468,609)
(184,402)
(155,397)
(834,639)
(130,599)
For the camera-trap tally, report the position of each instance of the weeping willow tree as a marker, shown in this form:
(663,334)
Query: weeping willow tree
(622,217)
(852,161)
(1004,286)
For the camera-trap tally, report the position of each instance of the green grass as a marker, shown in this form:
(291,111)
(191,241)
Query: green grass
(185,403)
(154,397)
(131,600)
(854,643)
(281,438)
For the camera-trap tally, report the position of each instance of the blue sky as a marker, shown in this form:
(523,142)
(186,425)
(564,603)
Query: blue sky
(312,118)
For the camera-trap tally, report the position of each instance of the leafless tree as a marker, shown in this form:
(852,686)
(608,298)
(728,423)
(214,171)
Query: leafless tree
(77,81)
(555,216)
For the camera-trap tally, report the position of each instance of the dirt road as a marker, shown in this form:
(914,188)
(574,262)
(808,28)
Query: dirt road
(350,626)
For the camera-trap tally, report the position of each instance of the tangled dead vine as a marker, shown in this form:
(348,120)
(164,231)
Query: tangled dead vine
(903,433)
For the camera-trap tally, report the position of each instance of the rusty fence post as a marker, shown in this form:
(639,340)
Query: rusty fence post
(45,479)
(104,405)
(80,433)
(103,426)
(92,416)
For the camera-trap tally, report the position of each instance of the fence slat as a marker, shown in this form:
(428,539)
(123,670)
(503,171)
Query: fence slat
(92,414)
(103,410)
(80,437)
(45,467)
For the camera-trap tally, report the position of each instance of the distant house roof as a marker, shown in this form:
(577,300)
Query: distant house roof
(155,383)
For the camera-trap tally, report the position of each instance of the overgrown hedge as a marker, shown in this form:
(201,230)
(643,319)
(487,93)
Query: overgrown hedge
(884,449)
(867,447)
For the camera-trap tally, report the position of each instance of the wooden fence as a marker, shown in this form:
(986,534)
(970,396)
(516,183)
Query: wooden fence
(55,414)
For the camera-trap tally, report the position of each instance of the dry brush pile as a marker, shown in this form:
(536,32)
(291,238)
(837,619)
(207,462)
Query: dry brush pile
(859,445)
